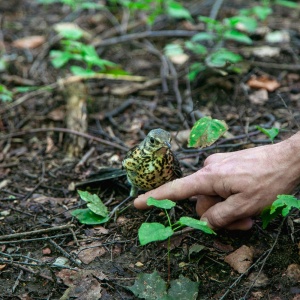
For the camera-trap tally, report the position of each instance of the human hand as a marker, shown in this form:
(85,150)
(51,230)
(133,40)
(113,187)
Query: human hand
(233,187)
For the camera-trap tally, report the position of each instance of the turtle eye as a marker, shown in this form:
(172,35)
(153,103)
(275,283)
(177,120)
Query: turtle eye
(152,140)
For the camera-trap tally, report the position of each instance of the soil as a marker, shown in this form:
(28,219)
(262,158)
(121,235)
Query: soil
(44,157)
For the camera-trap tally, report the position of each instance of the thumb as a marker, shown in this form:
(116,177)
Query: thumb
(230,214)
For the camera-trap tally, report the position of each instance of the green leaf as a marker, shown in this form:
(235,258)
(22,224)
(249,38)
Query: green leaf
(59,58)
(237,36)
(196,48)
(289,4)
(183,289)
(152,232)
(287,202)
(244,23)
(94,203)
(197,224)
(206,131)
(221,58)
(164,204)
(261,12)
(208,20)
(70,33)
(195,69)
(76,70)
(203,36)
(173,49)
(149,286)
(270,133)
(282,205)
(176,10)
(86,216)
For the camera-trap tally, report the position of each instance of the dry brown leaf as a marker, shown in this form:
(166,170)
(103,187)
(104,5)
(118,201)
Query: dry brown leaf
(263,82)
(89,252)
(259,279)
(293,272)
(259,97)
(46,251)
(82,284)
(241,259)
(29,42)
(2,267)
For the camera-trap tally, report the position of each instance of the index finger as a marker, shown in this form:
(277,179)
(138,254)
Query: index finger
(200,182)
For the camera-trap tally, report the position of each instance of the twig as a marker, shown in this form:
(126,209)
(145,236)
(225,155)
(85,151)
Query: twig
(21,234)
(66,130)
(19,276)
(64,253)
(290,112)
(37,186)
(68,80)
(33,272)
(36,239)
(215,9)
(281,66)
(142,35)
(85,158)
(265,259)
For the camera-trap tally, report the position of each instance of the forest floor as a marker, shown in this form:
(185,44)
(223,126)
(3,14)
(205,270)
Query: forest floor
(46,253)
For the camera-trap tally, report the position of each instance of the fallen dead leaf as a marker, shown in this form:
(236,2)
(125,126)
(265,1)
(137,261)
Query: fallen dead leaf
(293,272)
(88,253)
(83,284)
(29,42)
(179,59)
(263,82)
(259,97)
(139,264)
(58,114)
(222,247)
(266,51)
(46,251)
(260,280)
(241,259)
(2,267)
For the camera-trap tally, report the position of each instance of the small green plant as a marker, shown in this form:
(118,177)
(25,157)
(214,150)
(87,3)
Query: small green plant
(152,286)
(153,9)
(96,213)
(270,133)
(73,49)
(5,94)
(151,232)
(74,4)
(281,206)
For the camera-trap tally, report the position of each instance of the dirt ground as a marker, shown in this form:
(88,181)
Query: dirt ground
(44,251)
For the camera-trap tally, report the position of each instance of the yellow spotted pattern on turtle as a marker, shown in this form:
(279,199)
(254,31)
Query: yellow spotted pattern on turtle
(151,163)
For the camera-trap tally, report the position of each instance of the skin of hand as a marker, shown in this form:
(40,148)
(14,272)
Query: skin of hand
(233,187)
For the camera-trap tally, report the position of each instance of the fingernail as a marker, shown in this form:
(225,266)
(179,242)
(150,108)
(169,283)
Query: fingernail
(204,219)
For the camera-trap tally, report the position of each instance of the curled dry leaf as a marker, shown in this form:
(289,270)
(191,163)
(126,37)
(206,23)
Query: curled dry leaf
(263,82)
(241,259)
(29,42)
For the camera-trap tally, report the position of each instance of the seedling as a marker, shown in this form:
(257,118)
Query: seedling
(73,49)
(151,232)
(153,9)
(281,206)
(74,4)
(96,213)
(5,94)
(270,133)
